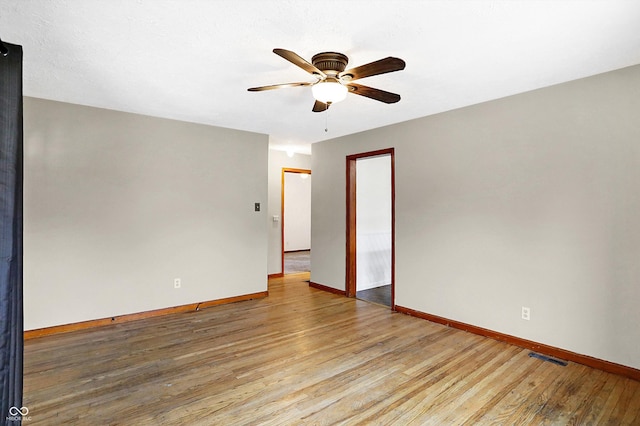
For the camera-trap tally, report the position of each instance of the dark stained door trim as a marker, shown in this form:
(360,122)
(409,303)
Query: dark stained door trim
(350,280)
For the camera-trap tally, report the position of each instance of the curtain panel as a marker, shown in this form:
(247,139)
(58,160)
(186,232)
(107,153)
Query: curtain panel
(11,175)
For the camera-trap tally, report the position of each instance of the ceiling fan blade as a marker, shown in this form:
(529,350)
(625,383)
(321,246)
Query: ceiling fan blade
(295,59)
(277,86)
(320,106)
(377,94)
(382,66)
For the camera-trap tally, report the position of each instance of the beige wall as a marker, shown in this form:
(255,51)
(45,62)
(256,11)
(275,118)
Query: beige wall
(117,205)
(532,200)
(278,160)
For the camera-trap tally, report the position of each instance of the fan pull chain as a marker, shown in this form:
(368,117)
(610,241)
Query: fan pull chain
(326,118)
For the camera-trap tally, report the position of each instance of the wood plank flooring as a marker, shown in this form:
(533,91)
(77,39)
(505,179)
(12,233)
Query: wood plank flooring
(306,357)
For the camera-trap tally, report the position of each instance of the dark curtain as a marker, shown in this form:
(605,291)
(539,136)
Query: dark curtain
(11,327)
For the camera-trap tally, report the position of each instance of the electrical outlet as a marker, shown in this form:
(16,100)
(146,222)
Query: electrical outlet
(526,313)
(177,283)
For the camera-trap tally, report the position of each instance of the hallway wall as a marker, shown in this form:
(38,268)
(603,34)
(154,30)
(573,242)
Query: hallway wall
(297,211)
(278,160)
(373,222)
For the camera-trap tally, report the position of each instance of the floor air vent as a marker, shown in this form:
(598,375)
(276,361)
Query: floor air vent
(546,358)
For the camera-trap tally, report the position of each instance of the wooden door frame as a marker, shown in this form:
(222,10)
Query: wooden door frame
(351,266)
(285,170)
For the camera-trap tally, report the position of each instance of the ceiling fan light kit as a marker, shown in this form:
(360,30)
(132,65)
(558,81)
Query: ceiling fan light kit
(329,91)
(333,82)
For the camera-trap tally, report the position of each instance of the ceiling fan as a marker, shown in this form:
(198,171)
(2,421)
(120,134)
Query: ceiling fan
(333,82)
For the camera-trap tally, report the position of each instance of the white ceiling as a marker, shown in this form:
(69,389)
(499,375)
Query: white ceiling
(193,60)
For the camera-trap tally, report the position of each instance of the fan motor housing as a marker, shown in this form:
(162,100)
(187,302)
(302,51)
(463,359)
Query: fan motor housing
(331,63)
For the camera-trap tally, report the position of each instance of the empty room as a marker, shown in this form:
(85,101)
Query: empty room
(190,228)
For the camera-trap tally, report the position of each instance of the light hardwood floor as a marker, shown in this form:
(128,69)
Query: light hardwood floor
(304,356)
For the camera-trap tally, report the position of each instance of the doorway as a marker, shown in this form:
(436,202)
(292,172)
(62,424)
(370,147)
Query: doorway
(296,221)
(370,269)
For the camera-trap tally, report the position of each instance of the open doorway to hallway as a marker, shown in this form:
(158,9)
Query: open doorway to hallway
(296,220)
(370,227)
